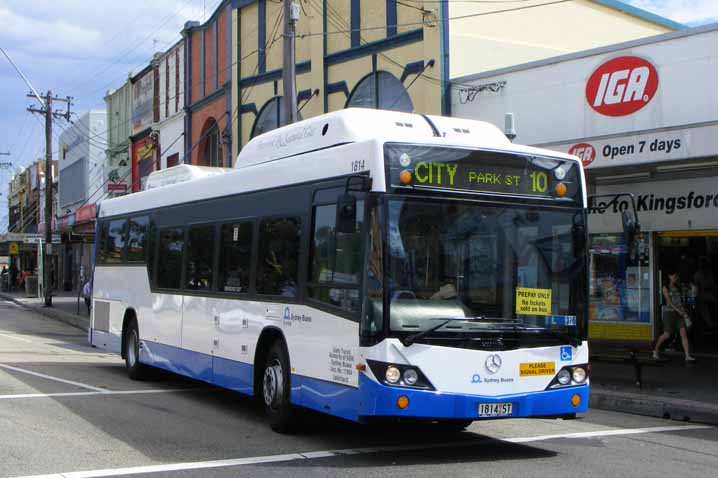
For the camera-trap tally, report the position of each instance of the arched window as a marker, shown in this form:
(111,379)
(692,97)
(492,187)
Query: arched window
(270,117)
(210,153)
(380,90)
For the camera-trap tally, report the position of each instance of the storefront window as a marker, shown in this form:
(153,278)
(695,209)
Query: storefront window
(620,283)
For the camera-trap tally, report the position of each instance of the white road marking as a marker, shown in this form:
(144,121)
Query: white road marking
(15,337)
(350,451)
(86,394)
(50,377)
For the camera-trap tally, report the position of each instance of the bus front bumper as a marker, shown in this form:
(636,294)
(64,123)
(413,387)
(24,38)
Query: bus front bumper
(378,400)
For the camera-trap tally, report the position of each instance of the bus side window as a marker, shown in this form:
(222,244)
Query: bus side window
(169,264)
(278,258)
(235,257)
(115,244)
(136,238)
(102,242)
(200,253)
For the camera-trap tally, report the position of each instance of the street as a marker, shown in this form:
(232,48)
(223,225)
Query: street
(68,411)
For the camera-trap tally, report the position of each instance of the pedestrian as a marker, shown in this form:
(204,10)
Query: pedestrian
(706,284)
(674,316)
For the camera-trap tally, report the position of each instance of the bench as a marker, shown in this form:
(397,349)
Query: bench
(638,355)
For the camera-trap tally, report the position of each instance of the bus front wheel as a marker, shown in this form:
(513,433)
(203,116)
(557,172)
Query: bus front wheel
(276,388)
(135,369)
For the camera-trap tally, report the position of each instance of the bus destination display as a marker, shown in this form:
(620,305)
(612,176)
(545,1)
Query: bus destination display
(481,171)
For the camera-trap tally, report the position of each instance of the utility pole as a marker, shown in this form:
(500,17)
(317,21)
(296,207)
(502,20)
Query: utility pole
(46,110)
(289,73)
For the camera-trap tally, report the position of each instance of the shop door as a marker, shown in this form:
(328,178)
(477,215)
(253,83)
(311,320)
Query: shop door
(694,255)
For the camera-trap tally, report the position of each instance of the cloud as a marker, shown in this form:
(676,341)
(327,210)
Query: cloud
(690,12)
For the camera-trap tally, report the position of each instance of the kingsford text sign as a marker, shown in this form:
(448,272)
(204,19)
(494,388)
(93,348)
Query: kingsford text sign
(622,86)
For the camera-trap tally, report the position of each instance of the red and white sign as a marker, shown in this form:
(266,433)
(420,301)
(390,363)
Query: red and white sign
(585,152)
(86,213)
(622,86)
(117,187)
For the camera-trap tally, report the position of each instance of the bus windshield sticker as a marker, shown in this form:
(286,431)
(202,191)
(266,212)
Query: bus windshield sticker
(423,167)
(533,301)
(536,369)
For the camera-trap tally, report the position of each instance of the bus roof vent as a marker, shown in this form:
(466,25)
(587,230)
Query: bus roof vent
(181,174)
(353,125)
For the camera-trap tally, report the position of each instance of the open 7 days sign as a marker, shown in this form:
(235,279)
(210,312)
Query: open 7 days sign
(657,147)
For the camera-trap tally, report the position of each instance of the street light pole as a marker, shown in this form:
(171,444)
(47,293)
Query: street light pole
(289,73)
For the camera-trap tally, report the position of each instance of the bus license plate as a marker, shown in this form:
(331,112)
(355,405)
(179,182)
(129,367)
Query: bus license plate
(495,409)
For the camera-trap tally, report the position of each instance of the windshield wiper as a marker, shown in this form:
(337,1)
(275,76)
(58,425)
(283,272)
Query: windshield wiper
(407,341)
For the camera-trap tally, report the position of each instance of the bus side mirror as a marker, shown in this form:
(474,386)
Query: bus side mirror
(631,227)
(347,214)
(578,236)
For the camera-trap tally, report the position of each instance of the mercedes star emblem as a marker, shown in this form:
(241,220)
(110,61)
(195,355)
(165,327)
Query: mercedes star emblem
(493,363)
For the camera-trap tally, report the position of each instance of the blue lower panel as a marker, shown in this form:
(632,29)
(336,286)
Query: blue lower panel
(380,400)
(234,375)
(326,397)
(184,362)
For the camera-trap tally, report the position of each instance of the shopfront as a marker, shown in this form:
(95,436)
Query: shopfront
(643,118)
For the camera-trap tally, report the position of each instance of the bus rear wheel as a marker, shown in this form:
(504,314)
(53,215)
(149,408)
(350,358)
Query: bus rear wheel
(135,369)
(276,389)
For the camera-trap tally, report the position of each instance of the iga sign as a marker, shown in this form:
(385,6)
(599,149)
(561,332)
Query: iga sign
(585,152)
(622,86)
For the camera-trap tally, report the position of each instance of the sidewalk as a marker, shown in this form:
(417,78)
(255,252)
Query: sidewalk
(672,389)
(64,307)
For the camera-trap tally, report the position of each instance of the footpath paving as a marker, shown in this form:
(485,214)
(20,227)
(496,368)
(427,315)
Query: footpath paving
(64,307)
(671,388)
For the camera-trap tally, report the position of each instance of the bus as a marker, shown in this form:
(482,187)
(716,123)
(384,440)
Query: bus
(371,265)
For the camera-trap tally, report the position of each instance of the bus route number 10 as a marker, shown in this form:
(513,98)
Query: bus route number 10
(539,182)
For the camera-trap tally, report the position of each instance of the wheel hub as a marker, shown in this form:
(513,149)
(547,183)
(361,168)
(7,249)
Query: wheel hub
(273,384)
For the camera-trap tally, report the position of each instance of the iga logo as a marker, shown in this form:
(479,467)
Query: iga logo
(622,86)
(585,152)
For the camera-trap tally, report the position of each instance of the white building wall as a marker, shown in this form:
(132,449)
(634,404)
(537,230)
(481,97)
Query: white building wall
(172,138)
(81,164)
(549,100)
(171,124)
(171,101)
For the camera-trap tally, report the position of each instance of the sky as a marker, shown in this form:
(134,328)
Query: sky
(82,48)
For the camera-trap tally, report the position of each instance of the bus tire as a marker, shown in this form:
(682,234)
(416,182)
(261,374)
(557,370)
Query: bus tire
(453,425)
(276,388)
(135,369)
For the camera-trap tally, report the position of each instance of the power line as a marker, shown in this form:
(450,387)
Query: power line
(421,23)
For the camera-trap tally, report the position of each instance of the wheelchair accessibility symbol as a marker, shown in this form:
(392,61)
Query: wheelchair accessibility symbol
(566,354)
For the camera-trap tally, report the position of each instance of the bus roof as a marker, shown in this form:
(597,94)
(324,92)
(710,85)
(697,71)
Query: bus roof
(354,125)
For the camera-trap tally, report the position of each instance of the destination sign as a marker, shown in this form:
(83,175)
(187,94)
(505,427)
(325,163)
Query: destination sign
(421,167)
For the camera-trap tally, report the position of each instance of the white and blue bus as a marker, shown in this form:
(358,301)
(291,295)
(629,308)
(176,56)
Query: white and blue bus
(365,264)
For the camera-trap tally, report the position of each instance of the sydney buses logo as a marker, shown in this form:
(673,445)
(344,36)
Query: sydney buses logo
(622,86)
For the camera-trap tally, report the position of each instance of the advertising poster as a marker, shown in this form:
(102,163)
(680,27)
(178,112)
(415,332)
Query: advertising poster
(619,306)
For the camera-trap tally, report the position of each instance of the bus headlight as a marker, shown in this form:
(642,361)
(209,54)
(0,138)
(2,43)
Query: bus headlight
(392,374)
(398,375)
(410,376)
(579,375)
(570,376)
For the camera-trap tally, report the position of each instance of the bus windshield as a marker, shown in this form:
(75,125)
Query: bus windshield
(514,269)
